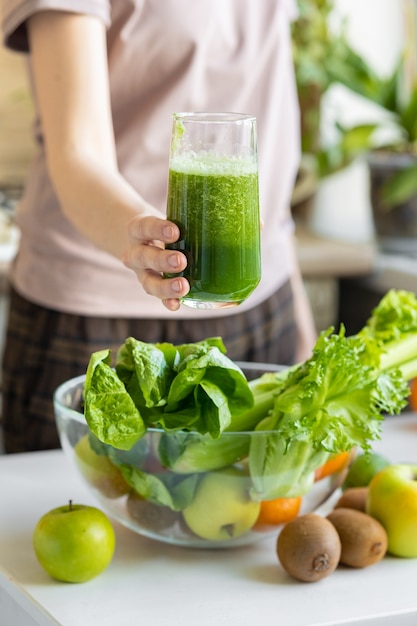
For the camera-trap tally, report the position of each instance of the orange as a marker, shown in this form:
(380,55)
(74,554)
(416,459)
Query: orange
(278,511)
(336,463)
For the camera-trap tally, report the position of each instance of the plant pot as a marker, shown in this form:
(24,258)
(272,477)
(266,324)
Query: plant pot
(395,227)
(341,208)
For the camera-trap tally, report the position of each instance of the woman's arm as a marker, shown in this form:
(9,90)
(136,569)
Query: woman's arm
(68,52)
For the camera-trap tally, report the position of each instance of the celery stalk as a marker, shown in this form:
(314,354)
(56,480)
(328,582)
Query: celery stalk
(399,353)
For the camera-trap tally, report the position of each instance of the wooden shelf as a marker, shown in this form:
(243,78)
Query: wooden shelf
(321,257)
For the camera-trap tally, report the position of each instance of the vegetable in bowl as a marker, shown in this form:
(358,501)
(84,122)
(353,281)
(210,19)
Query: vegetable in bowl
(189,411)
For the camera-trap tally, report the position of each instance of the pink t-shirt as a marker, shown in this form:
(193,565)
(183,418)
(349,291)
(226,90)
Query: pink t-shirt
(164,56)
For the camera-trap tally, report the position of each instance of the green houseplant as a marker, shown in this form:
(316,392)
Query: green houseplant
(390,140)
(393,166)
(322,58)
(392,151)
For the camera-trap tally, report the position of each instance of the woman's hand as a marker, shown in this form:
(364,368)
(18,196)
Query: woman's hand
(147,257)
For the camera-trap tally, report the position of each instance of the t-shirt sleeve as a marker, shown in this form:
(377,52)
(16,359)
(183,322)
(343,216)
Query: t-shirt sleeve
(292,9)
(15,13)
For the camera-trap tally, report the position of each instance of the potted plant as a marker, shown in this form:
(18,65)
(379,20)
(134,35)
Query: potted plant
(323,57)
(392,143)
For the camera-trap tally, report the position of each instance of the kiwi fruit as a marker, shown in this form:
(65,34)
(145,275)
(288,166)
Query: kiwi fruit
(364,540)
(149,515)
(353,498)
(309,547)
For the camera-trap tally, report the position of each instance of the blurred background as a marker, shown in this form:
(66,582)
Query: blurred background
(354,202)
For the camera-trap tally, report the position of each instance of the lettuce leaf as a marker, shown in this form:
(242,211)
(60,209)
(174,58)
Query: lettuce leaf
(109,410)
(147,372)
(175,491)
(192,387)
(331,403)
(189,452)
(207,391)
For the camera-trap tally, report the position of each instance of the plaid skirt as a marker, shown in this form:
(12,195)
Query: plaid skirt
(45,347)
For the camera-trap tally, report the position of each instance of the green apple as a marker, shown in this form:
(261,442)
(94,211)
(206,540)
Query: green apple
(363,468)
(221,508)
(99,471)
(74,543)
(392,500)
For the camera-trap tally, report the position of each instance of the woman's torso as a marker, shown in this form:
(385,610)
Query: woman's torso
(164,57)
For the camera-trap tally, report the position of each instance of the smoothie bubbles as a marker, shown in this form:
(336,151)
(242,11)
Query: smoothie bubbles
(213,197)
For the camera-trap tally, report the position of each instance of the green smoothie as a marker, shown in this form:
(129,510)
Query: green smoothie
(215,202)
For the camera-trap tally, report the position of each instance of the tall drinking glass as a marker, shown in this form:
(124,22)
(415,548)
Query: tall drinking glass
(213,197)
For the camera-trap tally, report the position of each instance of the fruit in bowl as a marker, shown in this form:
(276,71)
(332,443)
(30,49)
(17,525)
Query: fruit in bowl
(183,445)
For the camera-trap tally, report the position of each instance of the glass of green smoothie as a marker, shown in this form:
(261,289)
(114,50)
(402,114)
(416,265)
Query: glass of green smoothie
(213,197)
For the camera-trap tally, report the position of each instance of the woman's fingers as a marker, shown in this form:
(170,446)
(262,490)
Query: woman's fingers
(163,288)
(148,258)
(152,228)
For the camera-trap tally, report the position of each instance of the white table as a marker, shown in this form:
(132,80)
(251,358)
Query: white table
(154,584)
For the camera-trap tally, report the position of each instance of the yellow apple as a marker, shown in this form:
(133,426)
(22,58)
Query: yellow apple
(392,500)
(221,508)
(99,471)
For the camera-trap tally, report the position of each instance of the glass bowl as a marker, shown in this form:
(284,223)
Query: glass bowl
(176,487)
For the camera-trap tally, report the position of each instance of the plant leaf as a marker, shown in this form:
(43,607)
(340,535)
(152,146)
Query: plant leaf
(401,187)
(408,116)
